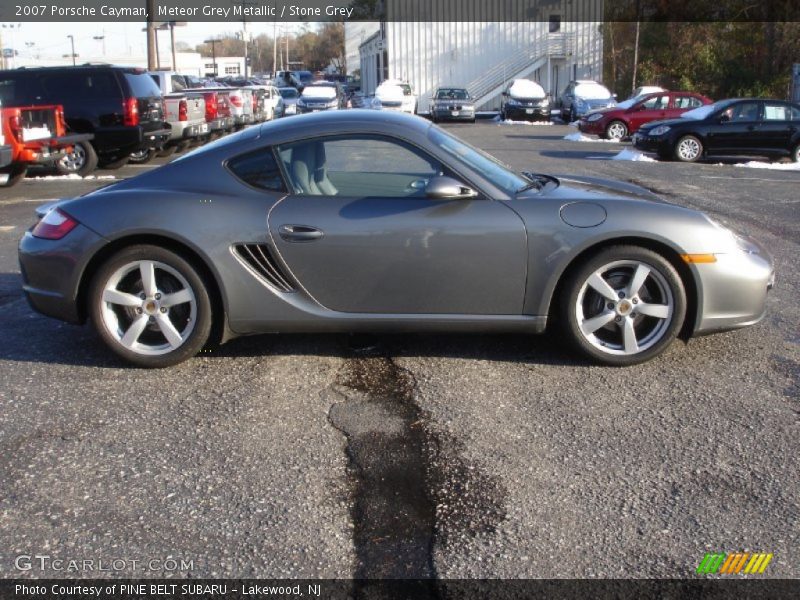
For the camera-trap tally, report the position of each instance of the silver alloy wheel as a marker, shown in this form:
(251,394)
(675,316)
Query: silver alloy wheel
(617,131)
(624,307)
(689,149)
(148,308)
(75,160)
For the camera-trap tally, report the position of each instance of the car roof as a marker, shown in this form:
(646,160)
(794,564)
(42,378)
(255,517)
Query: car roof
(355,120)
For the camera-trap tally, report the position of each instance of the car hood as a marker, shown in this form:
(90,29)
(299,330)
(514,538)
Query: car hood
(576,187)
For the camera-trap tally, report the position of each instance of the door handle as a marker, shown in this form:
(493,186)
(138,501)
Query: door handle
(299,233)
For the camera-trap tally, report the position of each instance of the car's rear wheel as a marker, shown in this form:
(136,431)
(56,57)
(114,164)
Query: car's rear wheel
(142,156)
(150,306)
(616,130)
(81,161)
(623,306)
(688,149)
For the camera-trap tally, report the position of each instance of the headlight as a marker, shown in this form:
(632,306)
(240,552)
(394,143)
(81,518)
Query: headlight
(660,130)
(594,117)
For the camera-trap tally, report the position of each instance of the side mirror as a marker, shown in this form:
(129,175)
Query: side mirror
(723,118)
(447,188)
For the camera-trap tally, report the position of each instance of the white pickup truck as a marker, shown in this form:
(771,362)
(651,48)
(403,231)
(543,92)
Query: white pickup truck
(185,110)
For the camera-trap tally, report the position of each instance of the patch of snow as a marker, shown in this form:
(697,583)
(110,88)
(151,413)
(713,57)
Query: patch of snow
(526,89)
(632,155)
(754,164)
(579,137)
(499,121)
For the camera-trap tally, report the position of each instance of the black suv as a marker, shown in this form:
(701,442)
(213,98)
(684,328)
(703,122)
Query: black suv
(121,106)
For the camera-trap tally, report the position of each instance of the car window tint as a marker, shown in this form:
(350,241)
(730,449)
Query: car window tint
(776,112)
(258,169)
(69,86)
(795,113)
(178,83)
(358,166)
(141,85)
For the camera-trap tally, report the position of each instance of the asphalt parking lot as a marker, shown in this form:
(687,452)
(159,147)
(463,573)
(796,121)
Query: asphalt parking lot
(390,456)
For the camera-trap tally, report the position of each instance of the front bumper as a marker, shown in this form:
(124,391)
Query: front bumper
(733,290)
(647,143)
(591,127)
(524,113)
(448,113)
(52,270)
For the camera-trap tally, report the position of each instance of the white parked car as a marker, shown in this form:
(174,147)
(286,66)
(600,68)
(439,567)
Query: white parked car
(388,90)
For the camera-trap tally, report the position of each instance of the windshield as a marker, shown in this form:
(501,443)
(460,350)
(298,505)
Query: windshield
(488,166)
(452,94)
(703,111)
(288,92)
(592,91)
(628,103)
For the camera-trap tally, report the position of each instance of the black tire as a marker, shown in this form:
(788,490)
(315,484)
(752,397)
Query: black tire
(168,151)
(110,319)
(81,161)
(113,165)
(580,304)
(681,153)
(15,174)
(142,157)
(616,130)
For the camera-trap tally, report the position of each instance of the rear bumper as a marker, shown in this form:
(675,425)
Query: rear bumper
(49,150)
(243,119)
(116,142)
(221,124)
(52,270)
(183,130)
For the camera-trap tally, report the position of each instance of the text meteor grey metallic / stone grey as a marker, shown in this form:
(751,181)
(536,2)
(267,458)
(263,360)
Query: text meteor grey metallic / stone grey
(375,221)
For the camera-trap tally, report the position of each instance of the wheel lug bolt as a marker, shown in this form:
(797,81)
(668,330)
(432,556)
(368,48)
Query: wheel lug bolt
(618,319)
(152,319)
(142,296)
(139,311)
(610,306)
(636,301)
(158,296)
(621,295)
(163,310)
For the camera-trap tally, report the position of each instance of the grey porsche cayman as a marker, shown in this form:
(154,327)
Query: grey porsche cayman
(375,221)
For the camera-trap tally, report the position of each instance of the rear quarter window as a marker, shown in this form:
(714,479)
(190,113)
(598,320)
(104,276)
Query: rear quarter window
(258,169)
(142,85)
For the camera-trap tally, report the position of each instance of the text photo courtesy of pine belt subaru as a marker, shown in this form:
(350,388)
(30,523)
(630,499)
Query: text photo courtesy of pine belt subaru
(358,220)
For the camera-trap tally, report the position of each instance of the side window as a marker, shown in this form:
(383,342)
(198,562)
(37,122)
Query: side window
(656,103)
(746,111)
(687,102)
(776,112)
(795,113)
(358,166)
(178,83)
(258,169)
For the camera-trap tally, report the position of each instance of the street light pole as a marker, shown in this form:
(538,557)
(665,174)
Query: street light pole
(72,44)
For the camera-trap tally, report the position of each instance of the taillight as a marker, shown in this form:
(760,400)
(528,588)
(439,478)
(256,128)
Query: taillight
(62,122)
(255,103)
(54,225)
(130,116)
(211,106)
(183,111)
(236,101)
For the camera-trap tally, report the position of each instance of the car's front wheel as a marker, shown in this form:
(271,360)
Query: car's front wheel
(616,130)
(150,306)
(81,161)
(688,149)
(623,306)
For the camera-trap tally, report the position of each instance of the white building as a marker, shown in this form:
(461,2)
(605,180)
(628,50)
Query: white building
(188,63)
(484,56)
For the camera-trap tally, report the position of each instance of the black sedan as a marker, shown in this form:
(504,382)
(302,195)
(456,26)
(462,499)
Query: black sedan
(744,126)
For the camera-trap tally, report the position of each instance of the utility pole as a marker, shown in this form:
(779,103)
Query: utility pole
(274,49)
(213,53)
(172,43)
(636,46)
(152,41)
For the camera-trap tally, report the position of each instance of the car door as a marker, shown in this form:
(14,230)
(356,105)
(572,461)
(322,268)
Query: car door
(651,109)
(360,235)
(777,130)
(740,133)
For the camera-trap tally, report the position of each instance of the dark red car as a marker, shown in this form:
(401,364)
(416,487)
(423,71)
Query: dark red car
(626,117)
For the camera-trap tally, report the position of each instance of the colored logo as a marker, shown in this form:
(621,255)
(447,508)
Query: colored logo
(746,563)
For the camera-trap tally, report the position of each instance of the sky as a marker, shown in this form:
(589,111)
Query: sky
(121,39)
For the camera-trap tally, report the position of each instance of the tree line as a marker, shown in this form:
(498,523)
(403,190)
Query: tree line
(720,60)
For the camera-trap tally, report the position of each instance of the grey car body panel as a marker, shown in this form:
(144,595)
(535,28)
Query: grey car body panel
(504,255)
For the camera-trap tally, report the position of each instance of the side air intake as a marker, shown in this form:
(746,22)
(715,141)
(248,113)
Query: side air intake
(260,259)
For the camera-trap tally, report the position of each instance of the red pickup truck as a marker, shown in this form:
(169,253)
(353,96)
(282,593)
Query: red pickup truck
(36,135)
